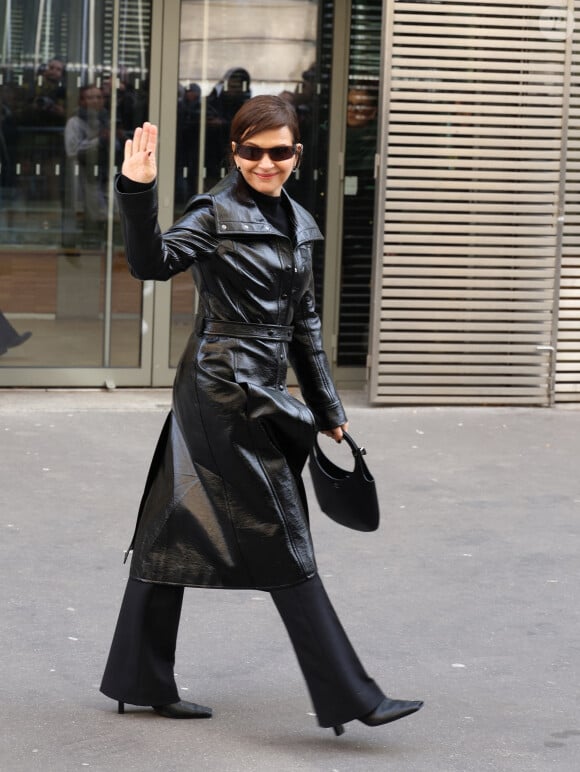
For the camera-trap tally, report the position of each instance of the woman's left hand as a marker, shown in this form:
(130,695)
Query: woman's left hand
(336,433)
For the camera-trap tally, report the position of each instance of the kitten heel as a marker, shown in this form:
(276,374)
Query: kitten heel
(120,707)
(338,730)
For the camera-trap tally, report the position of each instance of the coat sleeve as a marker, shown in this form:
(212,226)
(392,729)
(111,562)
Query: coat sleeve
(311,365)
(152,254)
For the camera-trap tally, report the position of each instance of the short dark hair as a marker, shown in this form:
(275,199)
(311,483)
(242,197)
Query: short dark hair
(262,113)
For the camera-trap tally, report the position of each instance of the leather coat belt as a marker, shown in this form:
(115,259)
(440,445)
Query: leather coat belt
(243,330)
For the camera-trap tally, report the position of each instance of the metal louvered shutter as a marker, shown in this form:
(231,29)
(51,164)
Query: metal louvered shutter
(472,155)
(568,358)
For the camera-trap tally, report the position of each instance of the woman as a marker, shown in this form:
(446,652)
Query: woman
(224,504)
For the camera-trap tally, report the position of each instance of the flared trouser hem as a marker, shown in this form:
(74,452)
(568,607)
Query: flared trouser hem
(339,686)
(139,668)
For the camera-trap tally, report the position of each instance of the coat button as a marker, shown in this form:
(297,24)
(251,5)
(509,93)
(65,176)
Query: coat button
(284,295)
(281,387)
(270,332)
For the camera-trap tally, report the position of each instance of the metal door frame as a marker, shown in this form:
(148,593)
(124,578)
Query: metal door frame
(165,111)
(87,377)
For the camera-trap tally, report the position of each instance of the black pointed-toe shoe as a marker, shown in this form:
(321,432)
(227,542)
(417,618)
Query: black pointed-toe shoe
(390,710)
(181,709)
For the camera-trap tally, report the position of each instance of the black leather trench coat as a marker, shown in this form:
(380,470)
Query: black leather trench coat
(224,503)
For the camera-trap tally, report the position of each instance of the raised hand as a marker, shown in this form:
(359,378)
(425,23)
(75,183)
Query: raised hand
(139,162)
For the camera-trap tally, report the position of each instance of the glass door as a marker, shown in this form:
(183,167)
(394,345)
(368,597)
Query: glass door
(229,52)
(74,83)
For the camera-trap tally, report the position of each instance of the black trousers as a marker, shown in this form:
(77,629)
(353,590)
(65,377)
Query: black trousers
(139,669)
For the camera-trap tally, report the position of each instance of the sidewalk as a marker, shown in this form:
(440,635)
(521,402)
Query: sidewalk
(467,597)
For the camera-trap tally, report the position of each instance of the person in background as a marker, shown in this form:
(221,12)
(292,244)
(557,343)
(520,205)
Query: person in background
(223,101)
(49,92)
(224,503)
(9,338)
(86,141)
(306,101)
(187,150)
(41,117)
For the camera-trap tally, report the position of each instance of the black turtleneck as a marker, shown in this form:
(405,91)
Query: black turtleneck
(273,210)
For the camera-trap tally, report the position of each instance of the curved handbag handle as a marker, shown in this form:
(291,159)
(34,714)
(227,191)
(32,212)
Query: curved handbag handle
(347,496)
(357,451)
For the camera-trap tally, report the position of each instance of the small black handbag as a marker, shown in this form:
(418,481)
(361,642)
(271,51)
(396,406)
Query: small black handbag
(347,497)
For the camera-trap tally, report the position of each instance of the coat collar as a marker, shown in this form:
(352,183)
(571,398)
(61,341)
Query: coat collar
(237,213)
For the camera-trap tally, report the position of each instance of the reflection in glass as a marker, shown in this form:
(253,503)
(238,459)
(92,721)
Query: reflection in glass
(235,60)
(359,184)
(87,136)
(67,103)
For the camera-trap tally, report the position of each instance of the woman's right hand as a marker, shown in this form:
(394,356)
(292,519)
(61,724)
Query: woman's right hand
(139,162)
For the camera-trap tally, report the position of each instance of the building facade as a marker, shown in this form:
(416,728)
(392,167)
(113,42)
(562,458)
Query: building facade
(442,147)
(477,263)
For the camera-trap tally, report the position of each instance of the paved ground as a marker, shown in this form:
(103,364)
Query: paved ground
(467,597)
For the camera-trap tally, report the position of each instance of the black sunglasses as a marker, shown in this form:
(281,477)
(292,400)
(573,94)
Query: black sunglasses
(255,153)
